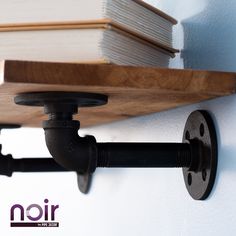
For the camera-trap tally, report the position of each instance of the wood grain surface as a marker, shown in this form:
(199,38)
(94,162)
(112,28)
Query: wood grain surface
(132,91)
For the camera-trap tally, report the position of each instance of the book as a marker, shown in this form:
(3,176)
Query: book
(102,42)
(135,15)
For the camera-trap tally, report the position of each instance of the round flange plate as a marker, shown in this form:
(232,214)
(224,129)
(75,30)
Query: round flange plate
(84,182)
(80,98)
(199,126)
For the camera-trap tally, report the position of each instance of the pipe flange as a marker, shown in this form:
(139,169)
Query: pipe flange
(199,179)
(80,99)
(84,182)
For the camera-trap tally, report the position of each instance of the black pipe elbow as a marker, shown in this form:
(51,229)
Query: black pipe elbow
(69,149)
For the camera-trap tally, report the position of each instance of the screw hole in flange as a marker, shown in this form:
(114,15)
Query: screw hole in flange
(189,179)
(202,130)
(204,174)
(187,135)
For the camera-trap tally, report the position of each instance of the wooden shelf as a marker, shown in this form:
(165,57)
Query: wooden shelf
(132,91)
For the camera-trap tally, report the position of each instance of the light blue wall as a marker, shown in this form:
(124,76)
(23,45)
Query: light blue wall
(147,202)
(206,32)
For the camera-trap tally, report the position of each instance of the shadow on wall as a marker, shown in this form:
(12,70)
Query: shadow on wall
(225,129)
(210,37)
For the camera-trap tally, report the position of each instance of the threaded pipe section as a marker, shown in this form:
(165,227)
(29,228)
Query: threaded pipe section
(60,116)
(148,155)
(183,158)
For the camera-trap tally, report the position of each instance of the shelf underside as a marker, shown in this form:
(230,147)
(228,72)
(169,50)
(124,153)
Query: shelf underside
(132,91)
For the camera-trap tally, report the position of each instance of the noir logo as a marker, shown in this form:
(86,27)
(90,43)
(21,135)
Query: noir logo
(34,215)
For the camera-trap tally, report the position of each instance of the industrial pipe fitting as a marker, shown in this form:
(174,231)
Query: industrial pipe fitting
(197,154)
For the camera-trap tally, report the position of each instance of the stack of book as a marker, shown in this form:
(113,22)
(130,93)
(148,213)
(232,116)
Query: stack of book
(123,32)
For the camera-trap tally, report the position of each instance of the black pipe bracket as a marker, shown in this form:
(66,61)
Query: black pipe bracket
(197,154)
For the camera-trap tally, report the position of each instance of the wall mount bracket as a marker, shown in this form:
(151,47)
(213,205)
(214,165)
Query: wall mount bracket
(9,165)
(197,154)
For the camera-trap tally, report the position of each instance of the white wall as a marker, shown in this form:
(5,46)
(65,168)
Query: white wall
(142,202)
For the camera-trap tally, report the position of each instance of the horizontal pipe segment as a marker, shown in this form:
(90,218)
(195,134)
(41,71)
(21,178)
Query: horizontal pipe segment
(144,155)
(8,165)
(36,165)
